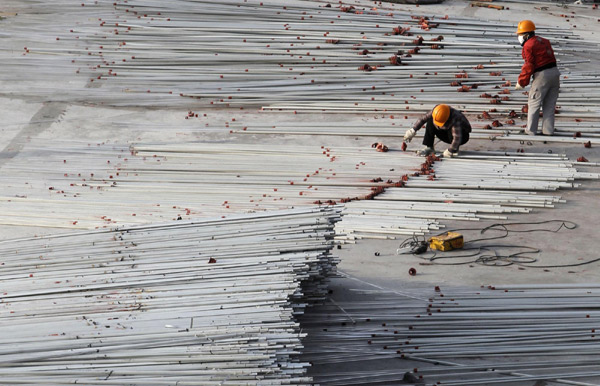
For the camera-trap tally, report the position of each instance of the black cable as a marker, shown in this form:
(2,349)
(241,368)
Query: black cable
(415,245)
(565,265)
(564,224)
(492,257)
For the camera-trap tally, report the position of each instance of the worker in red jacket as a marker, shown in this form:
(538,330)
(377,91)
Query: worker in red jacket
(541,64)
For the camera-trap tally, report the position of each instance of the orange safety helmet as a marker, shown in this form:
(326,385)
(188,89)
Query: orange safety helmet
(525,26)
(440,114)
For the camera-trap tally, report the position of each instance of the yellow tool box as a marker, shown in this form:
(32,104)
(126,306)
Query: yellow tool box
(447,242)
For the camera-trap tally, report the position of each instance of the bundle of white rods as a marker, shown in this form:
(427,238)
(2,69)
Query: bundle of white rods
(209,302)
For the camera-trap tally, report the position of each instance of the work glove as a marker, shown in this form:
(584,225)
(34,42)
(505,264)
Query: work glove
(425,151)
(518,86)
(449,154)
(409,135)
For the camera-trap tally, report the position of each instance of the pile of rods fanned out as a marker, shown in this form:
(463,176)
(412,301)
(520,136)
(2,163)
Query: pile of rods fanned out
(386,195)
(240,54)
(209,302)
(290,56)
(503,334)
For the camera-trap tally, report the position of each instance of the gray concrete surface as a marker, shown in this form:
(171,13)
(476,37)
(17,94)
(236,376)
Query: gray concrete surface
(582,207)
(560,248)
(26,119)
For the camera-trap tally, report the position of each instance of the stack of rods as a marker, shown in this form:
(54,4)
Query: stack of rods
(387,195)
(80,185)
(281,55)
(508,334)
(209,302)
(490,186)
(566,132)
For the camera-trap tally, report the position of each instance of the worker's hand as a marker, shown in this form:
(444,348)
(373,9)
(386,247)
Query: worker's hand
(449,154)
(409,135)
(518,86)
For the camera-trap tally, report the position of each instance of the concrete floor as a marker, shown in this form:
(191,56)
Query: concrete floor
(560,248)
(27,120)
(582,207)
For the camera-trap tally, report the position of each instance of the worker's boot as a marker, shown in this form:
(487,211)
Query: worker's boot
(424,152)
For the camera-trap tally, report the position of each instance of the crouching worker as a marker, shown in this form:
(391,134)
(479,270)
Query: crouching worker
(446,123)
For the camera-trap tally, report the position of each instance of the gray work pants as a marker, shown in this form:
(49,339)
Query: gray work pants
(543,93)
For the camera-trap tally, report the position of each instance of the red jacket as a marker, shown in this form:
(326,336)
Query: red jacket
(537,52)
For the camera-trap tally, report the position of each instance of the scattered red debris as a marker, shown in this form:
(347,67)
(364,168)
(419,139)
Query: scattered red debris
(418,41)
(380,147)
(375,191)
(404,146)
(582,159)
(367,68)
(588,144)
(577,134)
(395,60)
(401,31)
(212,260)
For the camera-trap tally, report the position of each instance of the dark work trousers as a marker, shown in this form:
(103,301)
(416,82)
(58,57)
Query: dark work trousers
(445,135)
